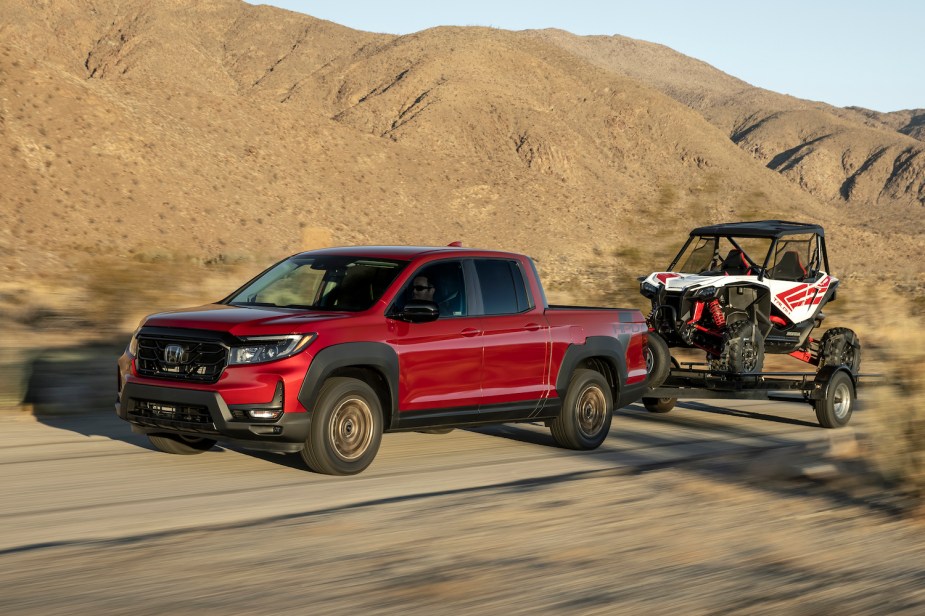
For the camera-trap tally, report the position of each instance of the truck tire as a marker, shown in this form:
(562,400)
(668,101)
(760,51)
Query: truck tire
(180,445)
(658,361)
(840,347)
(659,405)
(834,410)
(743,349)
(346,428)
(587,410)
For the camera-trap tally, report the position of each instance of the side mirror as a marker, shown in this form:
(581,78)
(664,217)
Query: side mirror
(419,311)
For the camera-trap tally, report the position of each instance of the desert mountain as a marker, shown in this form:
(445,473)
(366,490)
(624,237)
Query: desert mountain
(852,155)
(208,131)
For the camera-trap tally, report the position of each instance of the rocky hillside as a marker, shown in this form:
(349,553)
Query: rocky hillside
(208,131)
(841,156)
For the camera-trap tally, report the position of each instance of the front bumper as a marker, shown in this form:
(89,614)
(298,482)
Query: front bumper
(199,413)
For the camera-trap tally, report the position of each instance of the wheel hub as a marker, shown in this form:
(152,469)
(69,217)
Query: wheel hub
(592,407)
(841,401)
(351,428)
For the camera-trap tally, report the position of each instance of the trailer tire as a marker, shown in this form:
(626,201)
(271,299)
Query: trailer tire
(834,410)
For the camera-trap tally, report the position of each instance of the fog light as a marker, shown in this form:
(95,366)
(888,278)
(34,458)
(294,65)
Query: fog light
(264,413)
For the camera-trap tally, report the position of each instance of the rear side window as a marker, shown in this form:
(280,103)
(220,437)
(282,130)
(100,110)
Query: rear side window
(502,287)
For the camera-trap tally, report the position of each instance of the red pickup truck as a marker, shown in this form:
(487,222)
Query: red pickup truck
(326,350)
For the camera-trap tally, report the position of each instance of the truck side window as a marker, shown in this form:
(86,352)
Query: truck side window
(502,285)
(442,283)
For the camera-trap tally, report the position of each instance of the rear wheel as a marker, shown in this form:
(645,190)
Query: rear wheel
(346,428)
(181,445)
(587,410)
(743,349)
(840,347)
(834,411)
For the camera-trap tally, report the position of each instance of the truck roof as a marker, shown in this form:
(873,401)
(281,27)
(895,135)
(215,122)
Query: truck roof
(759,228)
(406,253)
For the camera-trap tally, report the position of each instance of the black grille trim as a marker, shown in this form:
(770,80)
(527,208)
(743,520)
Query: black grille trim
(202,361)
(183,417)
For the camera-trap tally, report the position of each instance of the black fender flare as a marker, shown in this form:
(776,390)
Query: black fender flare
(375,355)
(825,376)
(610,349)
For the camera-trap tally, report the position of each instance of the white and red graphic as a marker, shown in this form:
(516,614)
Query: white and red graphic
(803,295)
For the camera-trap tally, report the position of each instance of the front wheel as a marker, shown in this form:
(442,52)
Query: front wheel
(587,410)
(743,349)
(346,428)
(834,410)
(181,445)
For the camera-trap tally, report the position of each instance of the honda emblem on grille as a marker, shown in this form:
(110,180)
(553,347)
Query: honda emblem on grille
(173,354)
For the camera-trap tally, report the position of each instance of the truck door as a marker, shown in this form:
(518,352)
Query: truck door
(515,338)
(440,362)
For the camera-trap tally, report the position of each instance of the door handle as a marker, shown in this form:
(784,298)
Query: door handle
(532,327)
(469,332)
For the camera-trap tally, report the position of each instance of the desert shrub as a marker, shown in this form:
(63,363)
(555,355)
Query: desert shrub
(897,405)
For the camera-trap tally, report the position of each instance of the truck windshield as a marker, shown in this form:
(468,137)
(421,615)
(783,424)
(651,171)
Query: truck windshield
(337,283)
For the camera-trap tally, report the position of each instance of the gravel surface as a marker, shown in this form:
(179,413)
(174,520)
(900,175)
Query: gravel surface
(732,535)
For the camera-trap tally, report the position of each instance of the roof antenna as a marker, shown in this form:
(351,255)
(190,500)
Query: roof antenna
(456,244)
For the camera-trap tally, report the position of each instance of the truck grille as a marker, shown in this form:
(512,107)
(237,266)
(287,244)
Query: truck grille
(187,417)
(200,361)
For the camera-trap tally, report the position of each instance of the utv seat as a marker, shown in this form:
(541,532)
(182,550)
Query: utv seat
(735,264)
(789,267)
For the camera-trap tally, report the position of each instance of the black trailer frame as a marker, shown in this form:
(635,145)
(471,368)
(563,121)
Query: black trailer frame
(831,391)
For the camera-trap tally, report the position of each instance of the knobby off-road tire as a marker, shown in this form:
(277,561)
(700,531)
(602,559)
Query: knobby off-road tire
(181,445)
(743,349)
(834,411)
(840,347)
(587,410)
(346,428)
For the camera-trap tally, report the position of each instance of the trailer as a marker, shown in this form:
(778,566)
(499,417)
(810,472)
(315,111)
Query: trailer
(832,391)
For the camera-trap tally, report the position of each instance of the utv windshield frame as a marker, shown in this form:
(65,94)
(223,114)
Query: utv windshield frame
(771,229)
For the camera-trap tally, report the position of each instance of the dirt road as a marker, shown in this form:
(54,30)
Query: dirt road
(688,513)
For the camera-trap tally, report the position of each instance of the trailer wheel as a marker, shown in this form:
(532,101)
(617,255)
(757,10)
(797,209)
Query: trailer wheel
(834,410)
(659,405)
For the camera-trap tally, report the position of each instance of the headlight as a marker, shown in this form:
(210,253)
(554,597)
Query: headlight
(259,349)
(704,293)
(133,343)
(648,289)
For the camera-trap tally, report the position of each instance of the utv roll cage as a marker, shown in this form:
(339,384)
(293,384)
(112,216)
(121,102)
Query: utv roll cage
(767,229)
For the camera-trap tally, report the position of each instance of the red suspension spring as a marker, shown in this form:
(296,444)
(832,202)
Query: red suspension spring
(716,311)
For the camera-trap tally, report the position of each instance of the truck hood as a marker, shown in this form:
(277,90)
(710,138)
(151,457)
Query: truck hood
(241,321)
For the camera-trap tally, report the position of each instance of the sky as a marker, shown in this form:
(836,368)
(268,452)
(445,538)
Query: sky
(868,54)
